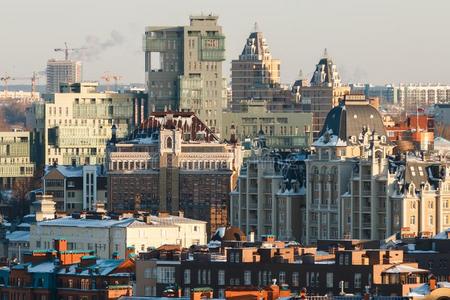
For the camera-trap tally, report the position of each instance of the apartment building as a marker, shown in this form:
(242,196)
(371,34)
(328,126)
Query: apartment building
(74,125)
(282,129)
(62,72)
(75,188)
(270,195)
(183,68)
(174,162)
(111,235)
(412,96)
(359,189)
(323,93)
(15,157)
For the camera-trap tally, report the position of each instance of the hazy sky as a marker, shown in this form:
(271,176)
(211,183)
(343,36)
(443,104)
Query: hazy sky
(378,41)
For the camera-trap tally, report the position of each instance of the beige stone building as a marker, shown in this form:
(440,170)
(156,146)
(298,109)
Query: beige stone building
(270,195)
(183,68)
(15,157)
(282,129)
(357,189)
(106,235)
(74,126)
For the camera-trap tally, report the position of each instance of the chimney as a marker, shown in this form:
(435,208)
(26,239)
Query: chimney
(181,214)
(60,245)
(87,261)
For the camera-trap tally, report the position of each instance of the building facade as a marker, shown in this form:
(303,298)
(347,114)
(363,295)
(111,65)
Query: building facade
(62,71)
(74,126)
(358,189)
(76,188)
(174,162)
(15,157)
(283,130)
(106,236)
(382,271)
(270,196)
(183,67)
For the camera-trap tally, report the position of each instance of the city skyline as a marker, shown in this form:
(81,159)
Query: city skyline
(378,42)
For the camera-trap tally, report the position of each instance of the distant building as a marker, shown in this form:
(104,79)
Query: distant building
(413,96)
(183,67)
(270,196)
(109,236)
(282,130)
(324,92)
(76,188)
(15,157)
(74,126)
(388,94)
(62,71)
(255,75)
(174,162)
(414,133)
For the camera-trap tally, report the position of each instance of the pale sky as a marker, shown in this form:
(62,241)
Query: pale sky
(377,41)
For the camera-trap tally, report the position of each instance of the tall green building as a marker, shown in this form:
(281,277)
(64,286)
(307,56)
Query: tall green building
(183,67)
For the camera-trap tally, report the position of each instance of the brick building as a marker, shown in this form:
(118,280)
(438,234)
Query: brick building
(174,162)
(249,265)
(67,274)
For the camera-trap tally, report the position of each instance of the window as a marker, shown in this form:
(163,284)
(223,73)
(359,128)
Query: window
(430,220)
(187,276)
(282,277)
(166,275)
(247,277)
(221,277)
(412,220)
(295,279)
(329,280)
(357,280)
(347,259)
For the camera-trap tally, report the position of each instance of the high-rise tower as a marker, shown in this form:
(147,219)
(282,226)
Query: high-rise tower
(183,66)
(62,71)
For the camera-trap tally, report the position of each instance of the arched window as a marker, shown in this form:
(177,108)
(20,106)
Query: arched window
(169,143)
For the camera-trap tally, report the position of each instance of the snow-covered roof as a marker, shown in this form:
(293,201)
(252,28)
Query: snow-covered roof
(108,222)
(397,269)
(70,171)
(443,235)
(18,236)
(45,267)
(102,267)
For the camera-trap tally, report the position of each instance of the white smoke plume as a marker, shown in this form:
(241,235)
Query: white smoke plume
(94,46)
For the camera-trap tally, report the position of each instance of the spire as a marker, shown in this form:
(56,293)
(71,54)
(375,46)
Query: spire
(300,74)
(325,53)
(256,27)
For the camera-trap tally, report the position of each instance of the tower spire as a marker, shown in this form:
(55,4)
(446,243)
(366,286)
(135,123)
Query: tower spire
(256,27)
(325,53)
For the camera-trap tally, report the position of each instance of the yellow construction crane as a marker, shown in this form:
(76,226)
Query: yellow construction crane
(66,50)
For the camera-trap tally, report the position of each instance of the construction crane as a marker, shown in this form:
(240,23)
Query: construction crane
(5,80)
(108,77)
(34,78)
(66,50)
